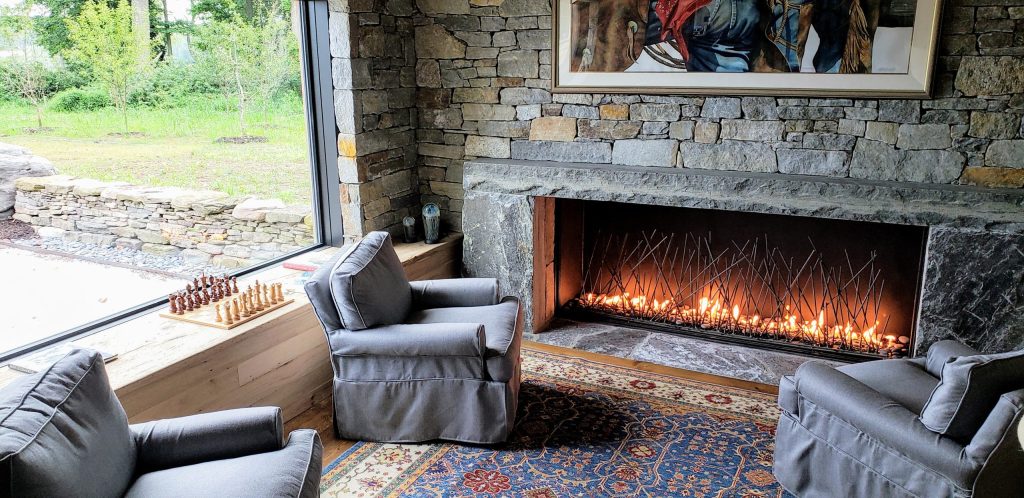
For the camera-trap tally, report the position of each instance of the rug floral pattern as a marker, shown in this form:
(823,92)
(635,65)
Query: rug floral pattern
(588,429)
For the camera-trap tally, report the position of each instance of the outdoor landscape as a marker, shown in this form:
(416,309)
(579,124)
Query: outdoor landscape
(224,113)
(143,142)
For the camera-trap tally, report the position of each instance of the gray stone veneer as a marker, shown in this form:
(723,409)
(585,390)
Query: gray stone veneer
(974,267)
(484,71)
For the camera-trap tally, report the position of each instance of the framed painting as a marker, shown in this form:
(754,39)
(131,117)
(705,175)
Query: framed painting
(849,48)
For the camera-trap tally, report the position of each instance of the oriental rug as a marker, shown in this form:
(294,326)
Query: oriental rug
(586,428)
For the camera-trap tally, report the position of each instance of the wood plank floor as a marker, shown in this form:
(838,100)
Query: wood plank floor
(319,416)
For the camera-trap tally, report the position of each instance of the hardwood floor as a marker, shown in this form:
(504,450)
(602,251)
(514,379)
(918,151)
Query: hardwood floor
(319,416)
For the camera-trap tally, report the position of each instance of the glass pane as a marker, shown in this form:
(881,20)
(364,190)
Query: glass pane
(138,152)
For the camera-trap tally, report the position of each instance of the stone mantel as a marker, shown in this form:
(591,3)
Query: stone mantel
(973,284)
(954,206)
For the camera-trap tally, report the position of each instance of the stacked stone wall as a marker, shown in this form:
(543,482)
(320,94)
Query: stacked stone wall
(483,72)
(373,62)
(200,226)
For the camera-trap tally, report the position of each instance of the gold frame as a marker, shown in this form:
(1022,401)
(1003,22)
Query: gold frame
(916,83)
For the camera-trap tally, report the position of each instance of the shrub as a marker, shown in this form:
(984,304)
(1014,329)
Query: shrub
(58,80)
(80,100)
(173,85)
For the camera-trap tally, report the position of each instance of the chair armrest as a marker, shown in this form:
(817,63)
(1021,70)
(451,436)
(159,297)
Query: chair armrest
(427,339)
(942,352)
(877,416)
(999,427)
(454,293)
(177,442)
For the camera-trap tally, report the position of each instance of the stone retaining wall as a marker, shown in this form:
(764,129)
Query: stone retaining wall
(200,226)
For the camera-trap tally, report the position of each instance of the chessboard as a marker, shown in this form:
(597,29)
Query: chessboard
(219,302)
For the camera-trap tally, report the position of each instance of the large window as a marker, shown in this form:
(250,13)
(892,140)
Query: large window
(145,143)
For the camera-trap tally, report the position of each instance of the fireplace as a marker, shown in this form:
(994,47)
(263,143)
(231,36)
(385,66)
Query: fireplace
(837,289)
(947,260)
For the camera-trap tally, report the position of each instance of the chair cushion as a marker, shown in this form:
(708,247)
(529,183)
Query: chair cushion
(63,432)
(500,323)
(369,285)
(318,289)
(968,390)
(943,352)
(292,471)
(903,381)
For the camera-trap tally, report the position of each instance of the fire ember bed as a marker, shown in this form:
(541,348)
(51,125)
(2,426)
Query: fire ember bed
(749,292)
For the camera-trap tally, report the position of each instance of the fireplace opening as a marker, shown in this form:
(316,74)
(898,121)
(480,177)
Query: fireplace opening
(829,288)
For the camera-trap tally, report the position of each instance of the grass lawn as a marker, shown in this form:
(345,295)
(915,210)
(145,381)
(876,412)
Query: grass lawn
(174,147)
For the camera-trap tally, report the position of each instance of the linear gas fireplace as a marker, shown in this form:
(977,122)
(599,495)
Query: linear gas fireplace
(829,288)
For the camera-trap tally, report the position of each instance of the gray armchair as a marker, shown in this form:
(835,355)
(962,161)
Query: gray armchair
(416,361)
(64,433)
(936,426)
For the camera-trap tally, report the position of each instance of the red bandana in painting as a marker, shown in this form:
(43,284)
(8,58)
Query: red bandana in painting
(673,14)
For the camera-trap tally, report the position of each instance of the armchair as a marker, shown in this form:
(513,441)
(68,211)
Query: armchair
(416,361)
(64,433)
(936,426)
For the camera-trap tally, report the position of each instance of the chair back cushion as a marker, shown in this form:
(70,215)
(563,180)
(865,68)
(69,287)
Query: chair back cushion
(63,432)
(318,289)
(969,388)
(369,285)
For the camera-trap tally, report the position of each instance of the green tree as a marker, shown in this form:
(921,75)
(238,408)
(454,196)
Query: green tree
(52,30)
(23,73)
(251,61)
(102,39)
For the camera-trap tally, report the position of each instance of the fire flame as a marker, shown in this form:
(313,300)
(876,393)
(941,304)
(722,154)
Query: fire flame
(712,314)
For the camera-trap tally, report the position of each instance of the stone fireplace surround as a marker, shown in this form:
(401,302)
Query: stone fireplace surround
(973,284)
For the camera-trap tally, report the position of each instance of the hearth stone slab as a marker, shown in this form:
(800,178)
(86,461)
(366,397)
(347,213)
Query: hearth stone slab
(973,290)
(672,350)
(822,197)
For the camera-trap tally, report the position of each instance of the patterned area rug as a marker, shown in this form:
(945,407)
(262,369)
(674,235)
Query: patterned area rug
(588,429)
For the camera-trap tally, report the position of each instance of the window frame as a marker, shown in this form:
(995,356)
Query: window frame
(321,130)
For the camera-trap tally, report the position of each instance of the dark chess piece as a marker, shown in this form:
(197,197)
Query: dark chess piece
(202,279)
(174,304)
(227,289)
(188,303)
(234,284)
(206,297)
(195,284)
(188,288)
(181,305)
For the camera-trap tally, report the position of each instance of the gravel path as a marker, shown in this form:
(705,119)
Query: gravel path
(174,265)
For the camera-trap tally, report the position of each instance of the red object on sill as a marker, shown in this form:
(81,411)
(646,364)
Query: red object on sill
(298,266)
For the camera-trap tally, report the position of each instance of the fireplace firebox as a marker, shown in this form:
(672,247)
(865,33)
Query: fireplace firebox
(835,289)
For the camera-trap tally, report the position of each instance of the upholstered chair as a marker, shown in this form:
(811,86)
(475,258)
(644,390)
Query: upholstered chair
(416,361)
(64,433)
(942,425)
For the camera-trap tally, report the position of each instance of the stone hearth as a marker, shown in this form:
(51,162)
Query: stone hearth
(973,287)
(729,360)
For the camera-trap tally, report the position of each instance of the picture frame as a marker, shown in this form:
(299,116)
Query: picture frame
(573,63)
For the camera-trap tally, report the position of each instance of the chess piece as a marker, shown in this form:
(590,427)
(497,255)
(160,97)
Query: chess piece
(188,303)
(206,297)
(195,283)
(234,284)
(219,318)
(227,289)
(174,304)
(259,299)
(280,292)
(202,278)
(188,288)
(234,309)
(181,305)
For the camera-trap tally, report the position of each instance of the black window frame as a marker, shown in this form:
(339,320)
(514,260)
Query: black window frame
(321,129)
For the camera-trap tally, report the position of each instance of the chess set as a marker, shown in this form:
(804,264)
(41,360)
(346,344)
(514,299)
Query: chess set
(219,302)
